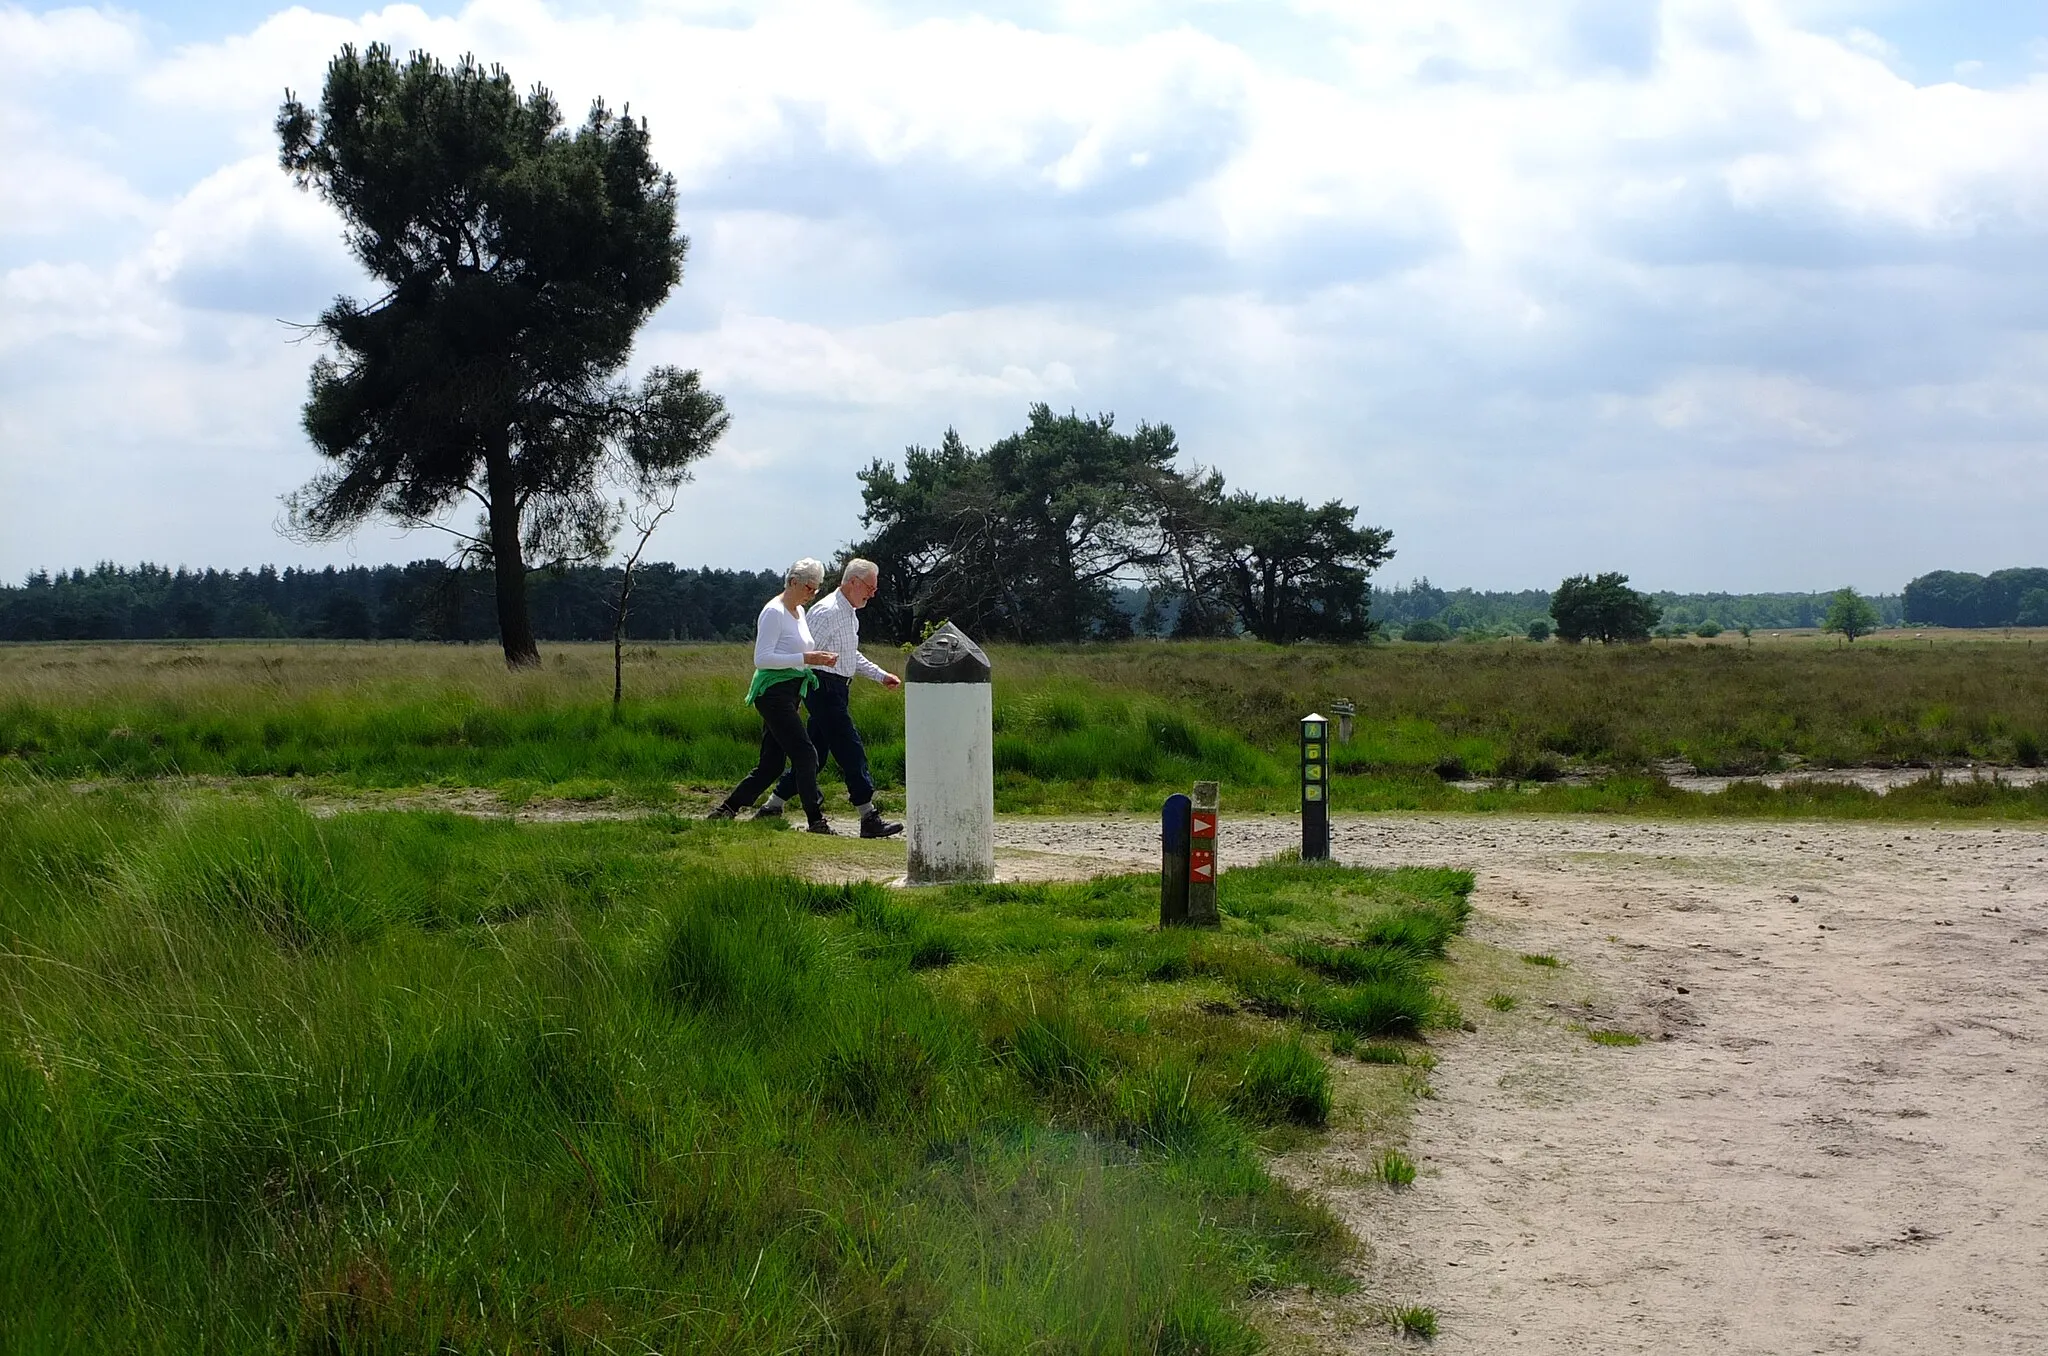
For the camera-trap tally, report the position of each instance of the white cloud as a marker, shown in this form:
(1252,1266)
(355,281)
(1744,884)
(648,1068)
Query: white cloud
(1446,257)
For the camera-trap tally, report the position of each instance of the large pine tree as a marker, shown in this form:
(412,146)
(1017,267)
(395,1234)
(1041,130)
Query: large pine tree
(517,262)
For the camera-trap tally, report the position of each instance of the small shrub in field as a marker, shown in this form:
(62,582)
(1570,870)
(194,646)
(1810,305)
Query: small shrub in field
(1707,630)
(1429,631)
(1416,1321)
(1501,1002)
(1543,959)
(1394,1168)
(1451,768)
(1284,1082)
(1521,765)
(1539,631)
(1608,1037)
(2026,749)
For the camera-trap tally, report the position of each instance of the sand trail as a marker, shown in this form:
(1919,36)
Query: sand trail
(1833,1139)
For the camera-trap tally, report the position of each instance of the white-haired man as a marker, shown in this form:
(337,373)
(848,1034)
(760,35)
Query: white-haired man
(835,626)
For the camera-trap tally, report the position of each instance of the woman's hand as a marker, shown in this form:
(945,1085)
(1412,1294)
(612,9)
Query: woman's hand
(821,659)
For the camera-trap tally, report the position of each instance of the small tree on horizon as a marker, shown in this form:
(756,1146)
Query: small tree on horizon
(517,261)
(1850,614)
(1603,608)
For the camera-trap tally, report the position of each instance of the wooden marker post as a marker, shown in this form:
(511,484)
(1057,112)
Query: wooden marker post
(1202,855)
(1344,711)
(1315,788)
(1173,862)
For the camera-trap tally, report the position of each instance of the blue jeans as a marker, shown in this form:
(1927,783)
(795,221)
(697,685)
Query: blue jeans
(832,732)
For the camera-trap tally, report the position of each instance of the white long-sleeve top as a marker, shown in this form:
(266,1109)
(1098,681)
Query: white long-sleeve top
(781,637)
(836,624)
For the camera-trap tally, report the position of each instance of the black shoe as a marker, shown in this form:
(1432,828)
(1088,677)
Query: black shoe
(723,812)
(820,826)
(769,811)
(874,826)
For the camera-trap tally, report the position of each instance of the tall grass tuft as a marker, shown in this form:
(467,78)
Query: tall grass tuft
(1284,1081)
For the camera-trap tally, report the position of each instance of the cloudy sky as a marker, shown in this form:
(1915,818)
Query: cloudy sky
(1744,294)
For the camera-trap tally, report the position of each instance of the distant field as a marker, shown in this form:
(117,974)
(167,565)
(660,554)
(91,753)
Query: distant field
(1084,726)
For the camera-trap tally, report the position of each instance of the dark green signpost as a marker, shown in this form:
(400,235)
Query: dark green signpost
(1315,788)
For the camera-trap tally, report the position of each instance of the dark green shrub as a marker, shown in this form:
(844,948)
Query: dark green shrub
(1707,630)
(2026,749)
(1539,631)
(1428,631)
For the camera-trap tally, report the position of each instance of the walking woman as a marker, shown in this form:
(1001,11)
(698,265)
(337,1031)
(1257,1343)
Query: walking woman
(783,655)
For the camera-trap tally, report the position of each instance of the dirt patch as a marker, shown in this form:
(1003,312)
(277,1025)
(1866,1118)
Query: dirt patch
(1834,1136)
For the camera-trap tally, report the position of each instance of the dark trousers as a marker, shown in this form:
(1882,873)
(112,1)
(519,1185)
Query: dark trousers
(832,732)
(783,741)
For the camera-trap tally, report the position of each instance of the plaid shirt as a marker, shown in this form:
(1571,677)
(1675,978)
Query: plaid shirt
(835,626)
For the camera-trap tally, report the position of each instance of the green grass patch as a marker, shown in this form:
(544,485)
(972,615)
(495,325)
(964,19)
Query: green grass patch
(1394,1168)
(1108,727)
(1501,1002)
(1542,958)
(1600,1036)
(1416,1321)
(417,1082)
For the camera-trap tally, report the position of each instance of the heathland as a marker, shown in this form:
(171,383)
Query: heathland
(1105,726)
(416,1082)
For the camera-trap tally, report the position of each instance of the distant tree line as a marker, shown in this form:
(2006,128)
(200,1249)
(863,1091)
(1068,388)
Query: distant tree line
(426,600)
(2002,598)
(1511,613)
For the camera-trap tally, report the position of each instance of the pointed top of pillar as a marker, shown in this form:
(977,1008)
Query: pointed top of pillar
(947,656)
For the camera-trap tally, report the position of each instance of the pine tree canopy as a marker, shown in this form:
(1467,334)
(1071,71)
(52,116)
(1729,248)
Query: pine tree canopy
(518,260)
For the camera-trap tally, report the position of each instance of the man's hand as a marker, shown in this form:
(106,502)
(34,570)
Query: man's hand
(891,681)
(821,659)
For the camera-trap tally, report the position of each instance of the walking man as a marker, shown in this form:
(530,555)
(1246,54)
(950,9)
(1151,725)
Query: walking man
(835,626)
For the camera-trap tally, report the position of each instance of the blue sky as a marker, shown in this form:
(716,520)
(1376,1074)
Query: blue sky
(1742,294)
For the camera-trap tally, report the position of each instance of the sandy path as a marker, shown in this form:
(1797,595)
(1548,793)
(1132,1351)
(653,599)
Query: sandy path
(1836,1139)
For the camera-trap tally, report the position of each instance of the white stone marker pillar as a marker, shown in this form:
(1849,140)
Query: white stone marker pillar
(949,765)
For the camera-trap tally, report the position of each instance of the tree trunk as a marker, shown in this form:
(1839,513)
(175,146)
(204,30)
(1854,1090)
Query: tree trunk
(515,631)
